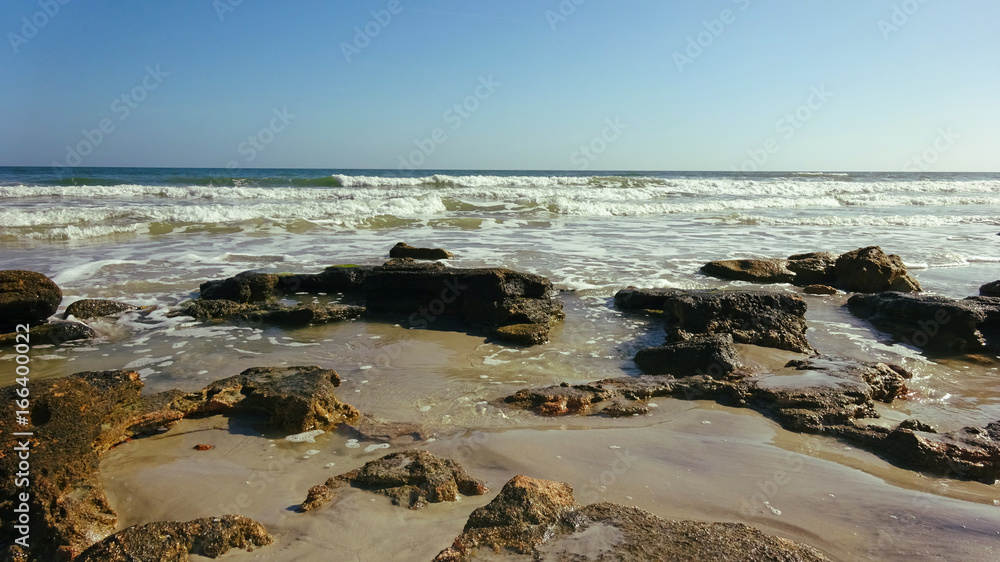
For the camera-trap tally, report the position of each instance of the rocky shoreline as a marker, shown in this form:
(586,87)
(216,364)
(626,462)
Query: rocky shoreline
(78,418)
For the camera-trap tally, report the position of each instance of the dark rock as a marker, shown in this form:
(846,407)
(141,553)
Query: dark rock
(95,308)
(991,289)
(714,355)
(524,334)
(26,297)
(486,298)
(409,478)
(403,250)
(819,290)
(933,323)
(247,287)
(541,518)
(755,271)
(169,541)
(271,313)
(296,399)
(56,333)
(755,317)
(816,268)
(870,270)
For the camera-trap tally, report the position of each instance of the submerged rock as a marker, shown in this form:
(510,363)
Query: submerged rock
(540,518)
(247,287)
(26,297)
(77,418)
(753,270)
(933,323)
(56,333)
(95,308)
(756,317)
(271,313)
(410,478)
(171,541)
(404,250)
(870,270)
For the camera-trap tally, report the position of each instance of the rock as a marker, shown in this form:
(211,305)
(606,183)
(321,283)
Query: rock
(56,333)
(247,287)
(991,289)
(819,290)
(270,313)
(77,418)
(524,334)
(517,520)
(622,408)
(371,428)
(755,317)
(95,308)
(714,355)
(403,250)
(26,297)
(74,419)
(870,270)
(485,298)
(203,447)
(816,268)
(296,399)
(755,271)
(933,323)
(409,478)
(827,396)
(170,541)
(971,453)
(541,519)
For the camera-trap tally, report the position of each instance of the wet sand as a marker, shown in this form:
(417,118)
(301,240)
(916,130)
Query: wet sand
(685,460)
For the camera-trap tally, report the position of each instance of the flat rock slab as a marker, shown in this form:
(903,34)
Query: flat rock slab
(171,541)
(753,270)
(411,479)
(712,355)
(933,323)
(541,519)
(270,313)
(762,318)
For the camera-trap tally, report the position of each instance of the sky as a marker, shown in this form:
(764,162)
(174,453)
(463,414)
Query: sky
(823,85)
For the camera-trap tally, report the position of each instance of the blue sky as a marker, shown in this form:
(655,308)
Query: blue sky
(445,84)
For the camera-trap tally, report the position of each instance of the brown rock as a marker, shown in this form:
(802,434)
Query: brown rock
(524,334)
(816,268)
(26,297)
(56,333)
(404,250)
(819,290)
(870,270)
(247,287)
(170,541)
(755,271)
(203,447)
(409,478)
(541,519)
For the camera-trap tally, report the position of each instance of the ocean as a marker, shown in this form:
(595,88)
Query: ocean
(150,236)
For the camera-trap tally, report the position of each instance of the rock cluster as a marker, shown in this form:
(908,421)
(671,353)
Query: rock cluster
(865,270)
(541,519)
(510,305)
(77,418)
